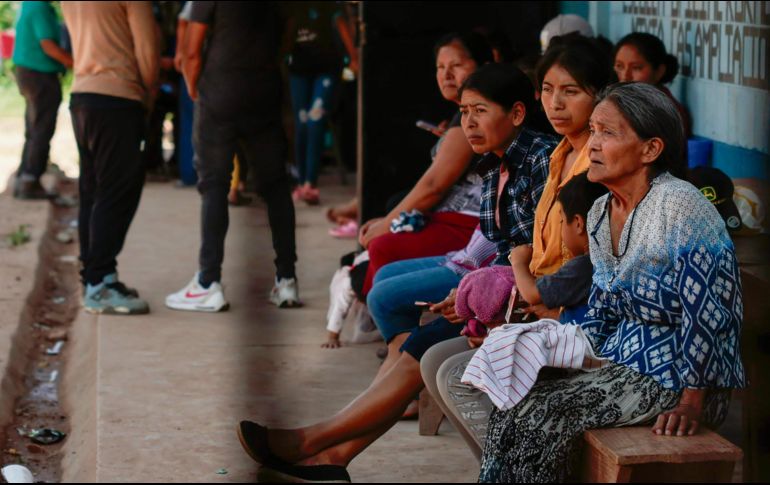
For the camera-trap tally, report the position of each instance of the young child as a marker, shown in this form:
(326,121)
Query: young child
(569,287)
(343,301)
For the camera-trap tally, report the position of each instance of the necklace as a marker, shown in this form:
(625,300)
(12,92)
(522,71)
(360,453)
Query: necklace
(630,226)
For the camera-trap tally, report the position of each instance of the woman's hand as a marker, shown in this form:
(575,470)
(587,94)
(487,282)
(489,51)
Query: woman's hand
(447,308)
(332,341)
(475,342)
(684,420)
(371,229)
(521,254)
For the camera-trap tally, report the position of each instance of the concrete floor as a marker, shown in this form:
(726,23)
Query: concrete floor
(157,397)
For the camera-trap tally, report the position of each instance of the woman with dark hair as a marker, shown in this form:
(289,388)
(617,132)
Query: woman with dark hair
(448,192)
(665,307)
(570,74)
(642,57)
(493,104)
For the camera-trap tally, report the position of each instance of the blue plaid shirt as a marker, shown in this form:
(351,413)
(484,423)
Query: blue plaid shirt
(527,161)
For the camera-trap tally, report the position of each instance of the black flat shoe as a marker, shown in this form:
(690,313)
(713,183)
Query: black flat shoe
(288,473)
(253,438)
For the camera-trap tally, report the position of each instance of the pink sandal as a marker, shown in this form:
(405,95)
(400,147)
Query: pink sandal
(348,230)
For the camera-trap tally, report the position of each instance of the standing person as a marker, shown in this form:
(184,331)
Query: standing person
(115,45)
(39,61)
(315,65)
(238,104)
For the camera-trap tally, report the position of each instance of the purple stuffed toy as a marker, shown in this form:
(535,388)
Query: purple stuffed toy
(482,298)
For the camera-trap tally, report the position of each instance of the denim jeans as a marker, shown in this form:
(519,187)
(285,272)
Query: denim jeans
(311,98)
(398,285)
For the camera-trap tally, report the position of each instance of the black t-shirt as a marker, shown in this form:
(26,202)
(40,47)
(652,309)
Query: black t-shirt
(316,46)
(240,64)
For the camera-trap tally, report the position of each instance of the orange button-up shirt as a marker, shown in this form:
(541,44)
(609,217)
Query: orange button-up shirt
(548,250)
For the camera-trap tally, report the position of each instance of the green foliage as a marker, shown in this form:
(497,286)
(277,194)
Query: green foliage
(8,14)
(19,236)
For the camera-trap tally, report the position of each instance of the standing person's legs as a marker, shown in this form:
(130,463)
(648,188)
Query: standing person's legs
(112,138)
(264,145)
(300,88)
(42,94)
(322,92)
(108,135)
(214,140)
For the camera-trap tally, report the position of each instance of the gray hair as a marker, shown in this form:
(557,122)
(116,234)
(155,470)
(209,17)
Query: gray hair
(651,114)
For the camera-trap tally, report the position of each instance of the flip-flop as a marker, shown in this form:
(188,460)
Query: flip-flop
(253,438)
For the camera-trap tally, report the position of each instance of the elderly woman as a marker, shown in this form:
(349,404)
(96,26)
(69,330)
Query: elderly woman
(666,304)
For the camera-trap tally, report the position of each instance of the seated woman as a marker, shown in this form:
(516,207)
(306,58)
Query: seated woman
(514,173)
(665,306)
(448,190)
(642,57)
(570,75)
(494,105)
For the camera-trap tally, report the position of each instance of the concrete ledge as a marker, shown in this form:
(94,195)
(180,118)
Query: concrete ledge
(79,400)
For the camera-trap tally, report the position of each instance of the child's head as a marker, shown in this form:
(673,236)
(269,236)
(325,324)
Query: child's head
(576,198)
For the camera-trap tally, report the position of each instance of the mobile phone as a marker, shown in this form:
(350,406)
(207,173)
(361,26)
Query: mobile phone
(424,305)
(426,126)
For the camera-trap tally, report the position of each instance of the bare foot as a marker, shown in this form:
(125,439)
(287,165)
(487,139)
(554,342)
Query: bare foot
(340,214)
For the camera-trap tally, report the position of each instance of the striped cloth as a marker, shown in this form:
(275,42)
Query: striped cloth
(505,367)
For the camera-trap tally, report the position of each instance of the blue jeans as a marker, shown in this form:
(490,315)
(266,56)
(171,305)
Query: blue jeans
(311,98)
(398,285)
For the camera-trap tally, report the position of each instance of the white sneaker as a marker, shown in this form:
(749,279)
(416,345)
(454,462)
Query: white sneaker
(285,294)
(194,297)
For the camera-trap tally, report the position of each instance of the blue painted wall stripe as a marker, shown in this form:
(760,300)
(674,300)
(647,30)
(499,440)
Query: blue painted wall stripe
(739,162)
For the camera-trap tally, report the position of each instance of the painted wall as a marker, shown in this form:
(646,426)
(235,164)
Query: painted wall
(724,81)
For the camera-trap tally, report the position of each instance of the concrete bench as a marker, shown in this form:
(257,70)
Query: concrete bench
(622,455)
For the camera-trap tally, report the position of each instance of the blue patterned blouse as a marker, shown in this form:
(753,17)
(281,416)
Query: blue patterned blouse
(670,306)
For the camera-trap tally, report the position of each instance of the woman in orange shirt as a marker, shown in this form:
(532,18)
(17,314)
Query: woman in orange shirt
(570,75)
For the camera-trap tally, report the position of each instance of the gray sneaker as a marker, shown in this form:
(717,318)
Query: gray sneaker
(104,299)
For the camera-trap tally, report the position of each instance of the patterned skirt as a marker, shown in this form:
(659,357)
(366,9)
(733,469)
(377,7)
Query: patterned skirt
(540,440)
